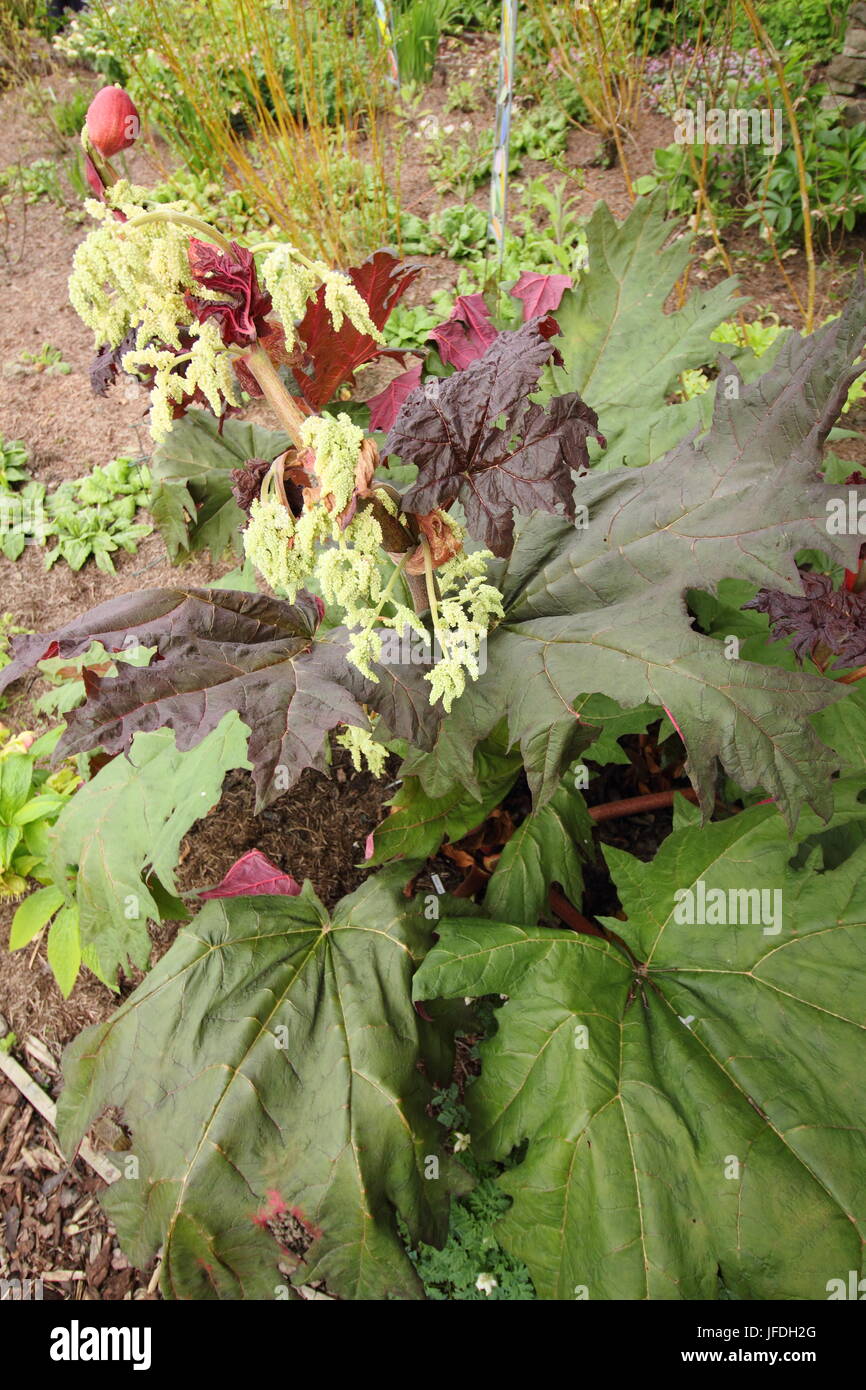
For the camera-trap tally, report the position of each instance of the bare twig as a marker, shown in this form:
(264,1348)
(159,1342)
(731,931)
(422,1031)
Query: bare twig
(48,1110)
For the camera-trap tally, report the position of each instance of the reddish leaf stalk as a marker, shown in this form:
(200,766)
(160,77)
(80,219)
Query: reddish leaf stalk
(570,915)
(633,805)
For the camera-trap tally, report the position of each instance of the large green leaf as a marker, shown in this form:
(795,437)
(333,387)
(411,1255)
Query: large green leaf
(192,502)
(271,1060)
(693,1104)
(418,823)
(601,608)
(843,727)
(620,350)
(549,846)
(127,825)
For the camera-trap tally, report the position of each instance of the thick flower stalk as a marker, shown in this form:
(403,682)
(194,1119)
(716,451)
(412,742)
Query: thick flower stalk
(195,317)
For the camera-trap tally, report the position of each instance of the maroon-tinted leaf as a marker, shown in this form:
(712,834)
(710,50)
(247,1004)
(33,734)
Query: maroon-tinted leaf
(108,363)
(253,875)
(147,615)
(466,334)
(331,359)
(820,616)
(242,315)
(385,407)
(477,436)
(94,178)
(541,294)
(220,650)
(247,482)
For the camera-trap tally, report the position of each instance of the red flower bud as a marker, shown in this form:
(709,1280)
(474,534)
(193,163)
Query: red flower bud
(112,121)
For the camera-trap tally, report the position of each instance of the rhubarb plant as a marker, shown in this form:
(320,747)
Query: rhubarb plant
(505,583)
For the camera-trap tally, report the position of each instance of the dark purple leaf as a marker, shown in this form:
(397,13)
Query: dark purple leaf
(108,363)
(820,616)
(247,481)
(220,650)
(477,436)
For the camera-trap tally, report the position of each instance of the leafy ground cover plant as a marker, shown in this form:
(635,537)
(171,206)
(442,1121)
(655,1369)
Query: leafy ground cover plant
(93,516)
(533,554)
(31,799)
(13,463)
(835,156)
(48,359)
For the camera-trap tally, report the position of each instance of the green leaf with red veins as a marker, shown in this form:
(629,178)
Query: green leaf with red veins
(601,608)
(272,1064)
(476,436)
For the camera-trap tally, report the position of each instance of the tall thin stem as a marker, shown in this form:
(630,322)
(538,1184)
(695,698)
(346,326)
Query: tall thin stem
(430,581)
(763,38)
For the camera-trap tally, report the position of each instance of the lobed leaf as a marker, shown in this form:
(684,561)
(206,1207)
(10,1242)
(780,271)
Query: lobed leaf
(692,1101)
(599,608)
(268,1066)
(121,833)
(619,348)
(192,502)
(220,650)
(418,823)
(476,436)
(549,846)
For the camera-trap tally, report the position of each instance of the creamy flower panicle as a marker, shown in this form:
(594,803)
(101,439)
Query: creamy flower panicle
(188,316)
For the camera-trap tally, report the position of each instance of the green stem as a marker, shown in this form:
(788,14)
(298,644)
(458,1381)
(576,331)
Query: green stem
(267,246)
(182,218)
(430,581)
(389,588)
(276,245)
